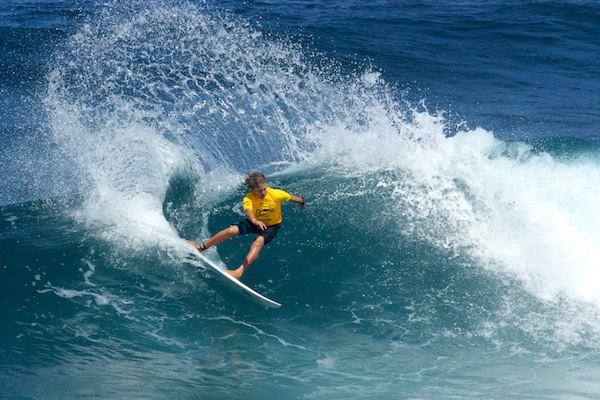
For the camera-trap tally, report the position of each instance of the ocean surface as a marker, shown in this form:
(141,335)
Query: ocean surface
(448,151)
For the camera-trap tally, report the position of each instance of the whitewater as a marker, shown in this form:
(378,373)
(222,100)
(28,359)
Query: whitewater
(435,259)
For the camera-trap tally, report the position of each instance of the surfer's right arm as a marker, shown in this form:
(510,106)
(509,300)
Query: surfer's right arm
(250,215)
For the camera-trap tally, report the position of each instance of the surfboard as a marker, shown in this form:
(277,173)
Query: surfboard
(235,284)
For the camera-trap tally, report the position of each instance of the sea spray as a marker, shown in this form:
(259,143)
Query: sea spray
(140,97)
(510,207)
(168,99)
(433,260)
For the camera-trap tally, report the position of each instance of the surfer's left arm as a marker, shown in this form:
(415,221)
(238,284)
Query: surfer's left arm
(298,200)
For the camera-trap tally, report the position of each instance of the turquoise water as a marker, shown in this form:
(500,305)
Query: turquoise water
(449,160)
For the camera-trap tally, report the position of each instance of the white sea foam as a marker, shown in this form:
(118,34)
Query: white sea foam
(512,208)
(210,93)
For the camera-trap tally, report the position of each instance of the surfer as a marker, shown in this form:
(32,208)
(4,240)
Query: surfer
(262,207)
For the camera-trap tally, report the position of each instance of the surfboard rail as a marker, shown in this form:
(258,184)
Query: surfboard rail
(235,284)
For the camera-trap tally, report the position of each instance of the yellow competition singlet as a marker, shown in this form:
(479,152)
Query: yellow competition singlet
(268,209)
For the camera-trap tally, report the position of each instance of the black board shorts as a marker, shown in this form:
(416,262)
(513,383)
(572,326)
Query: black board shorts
(246,227)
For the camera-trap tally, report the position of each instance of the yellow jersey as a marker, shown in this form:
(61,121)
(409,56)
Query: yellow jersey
(267,209)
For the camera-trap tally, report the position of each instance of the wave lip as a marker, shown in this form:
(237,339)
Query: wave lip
(141,96)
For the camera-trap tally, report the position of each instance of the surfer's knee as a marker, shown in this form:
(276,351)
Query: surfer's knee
(232,231)
(259,242)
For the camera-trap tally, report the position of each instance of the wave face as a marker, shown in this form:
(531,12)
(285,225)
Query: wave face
(433,260)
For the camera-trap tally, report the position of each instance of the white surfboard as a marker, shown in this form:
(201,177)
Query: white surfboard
(236,285)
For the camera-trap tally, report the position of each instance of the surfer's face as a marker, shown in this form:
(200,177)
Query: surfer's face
(261,190)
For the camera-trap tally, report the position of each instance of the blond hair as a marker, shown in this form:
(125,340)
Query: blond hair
(255,179)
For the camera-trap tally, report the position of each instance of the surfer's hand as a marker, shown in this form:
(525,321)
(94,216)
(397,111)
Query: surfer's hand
(261,225)
(298,200)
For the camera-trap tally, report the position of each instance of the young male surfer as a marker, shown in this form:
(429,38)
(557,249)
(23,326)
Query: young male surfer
(262,207)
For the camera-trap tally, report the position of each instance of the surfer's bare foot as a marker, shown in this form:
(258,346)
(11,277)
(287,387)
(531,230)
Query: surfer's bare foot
(199,248)
(236,273)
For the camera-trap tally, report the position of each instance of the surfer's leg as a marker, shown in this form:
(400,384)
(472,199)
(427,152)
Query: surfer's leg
(252,255)
(225,234)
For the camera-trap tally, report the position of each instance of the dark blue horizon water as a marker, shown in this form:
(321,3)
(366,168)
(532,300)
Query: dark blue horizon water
(448,152)
(521,69)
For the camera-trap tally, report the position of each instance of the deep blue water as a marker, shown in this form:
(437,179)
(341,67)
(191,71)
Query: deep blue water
(448,152)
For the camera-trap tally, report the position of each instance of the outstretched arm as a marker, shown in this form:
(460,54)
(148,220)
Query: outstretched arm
(298,200)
